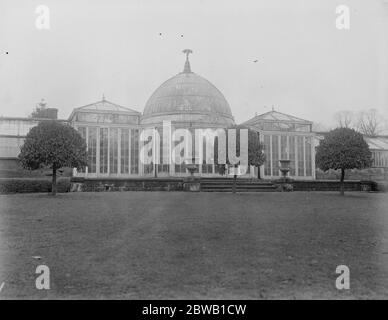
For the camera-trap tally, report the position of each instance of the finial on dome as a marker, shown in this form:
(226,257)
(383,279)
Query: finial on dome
(187,68)
(103,97)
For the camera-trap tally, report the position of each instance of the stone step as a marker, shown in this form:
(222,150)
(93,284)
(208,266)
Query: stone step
(230,179)
(238,184)
(239,187)
(240,190)
(242,185)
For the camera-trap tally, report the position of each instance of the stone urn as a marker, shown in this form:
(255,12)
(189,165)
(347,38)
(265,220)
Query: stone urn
(284,168)
(191,183)
(191,167)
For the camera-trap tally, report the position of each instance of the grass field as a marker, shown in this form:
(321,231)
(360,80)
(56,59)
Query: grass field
(140,245)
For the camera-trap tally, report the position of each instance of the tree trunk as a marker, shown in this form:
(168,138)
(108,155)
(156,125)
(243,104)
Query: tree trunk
(155,172)
(258,172)
(54,181)
(342,187)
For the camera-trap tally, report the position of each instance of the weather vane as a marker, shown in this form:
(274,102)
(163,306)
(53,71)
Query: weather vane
(187,52)
(187,68)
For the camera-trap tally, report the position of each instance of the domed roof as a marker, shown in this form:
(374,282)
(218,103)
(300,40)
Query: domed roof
(188,97)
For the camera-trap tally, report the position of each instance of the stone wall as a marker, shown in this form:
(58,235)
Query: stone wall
(333,185)
(374,174)
(181,184)
(121,184)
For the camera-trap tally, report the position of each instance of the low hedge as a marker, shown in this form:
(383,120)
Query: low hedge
(29,185)
(382,186)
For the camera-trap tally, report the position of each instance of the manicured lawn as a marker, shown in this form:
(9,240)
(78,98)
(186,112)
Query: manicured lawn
(194,245)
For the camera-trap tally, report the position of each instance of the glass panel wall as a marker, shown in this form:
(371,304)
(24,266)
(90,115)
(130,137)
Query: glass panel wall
(192,132)
(300,156)
(82,132)
(113,142)
(296,148)
(308,156)
(180,168)
(206,168)
(124,150)
(162,167)
(107,118)
(113,150)
(380,159)
(275,155)
(103,150)
(134,151)
(291,151)
(148,168)
(92,150)
(283,147)
(267,150)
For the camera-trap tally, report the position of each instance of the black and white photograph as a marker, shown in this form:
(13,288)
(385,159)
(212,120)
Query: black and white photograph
(208,151)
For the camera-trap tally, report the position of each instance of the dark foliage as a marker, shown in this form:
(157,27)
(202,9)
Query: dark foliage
(54,145)
(343,148)
(256,156)
(28,185)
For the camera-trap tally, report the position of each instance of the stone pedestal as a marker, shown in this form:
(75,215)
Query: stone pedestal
(76,187)
(365,186)
(284,184)
(192,184)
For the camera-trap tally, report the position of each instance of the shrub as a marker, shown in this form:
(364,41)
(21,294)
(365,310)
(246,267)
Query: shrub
(343,149)
(287,187)
(25,185)
(382,186)
(54,145)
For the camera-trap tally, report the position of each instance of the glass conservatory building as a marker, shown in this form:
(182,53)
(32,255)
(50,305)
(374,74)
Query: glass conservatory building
(187,101)
(285,137)
(113,133)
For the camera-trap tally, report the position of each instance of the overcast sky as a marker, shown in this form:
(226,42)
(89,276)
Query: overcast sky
(126,49)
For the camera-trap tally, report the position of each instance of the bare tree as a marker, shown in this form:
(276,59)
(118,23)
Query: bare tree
(320,127)
(370,122)
(344,119)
